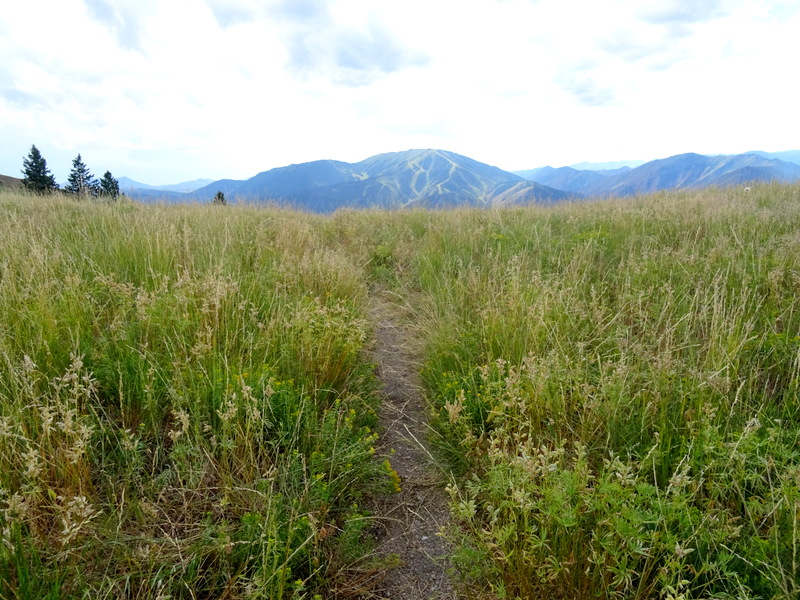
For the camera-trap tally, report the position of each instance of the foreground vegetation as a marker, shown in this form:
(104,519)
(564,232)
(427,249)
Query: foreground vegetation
(186,406)
(617,388)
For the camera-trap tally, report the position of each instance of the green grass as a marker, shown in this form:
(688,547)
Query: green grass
(186,409)
(616,387)
(185,404)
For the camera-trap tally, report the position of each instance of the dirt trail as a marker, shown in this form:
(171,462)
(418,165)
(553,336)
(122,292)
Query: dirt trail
(411,520)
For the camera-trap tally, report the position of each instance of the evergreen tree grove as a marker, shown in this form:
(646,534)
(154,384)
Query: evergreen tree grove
(37,176)
(81,182)
(109,186)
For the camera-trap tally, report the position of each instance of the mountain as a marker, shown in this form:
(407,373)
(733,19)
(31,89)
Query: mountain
(792,156)
(127,184)
(438,178)
(226,186)
(11,183)
(681,171)
(570,179)
(186,186)
(294,180)
(607,166)
(429,178)
(696,170)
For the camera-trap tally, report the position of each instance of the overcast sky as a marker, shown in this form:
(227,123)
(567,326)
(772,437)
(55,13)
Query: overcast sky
(164,91)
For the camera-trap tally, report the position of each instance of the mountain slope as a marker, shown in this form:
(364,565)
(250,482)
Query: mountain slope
(285,182)
(430,178)
(438,178)
(11,183)
(226,186)
(186,186)
(607,166)
(587,182)
(128,184)
(696,170)
(790,156)
(680,171)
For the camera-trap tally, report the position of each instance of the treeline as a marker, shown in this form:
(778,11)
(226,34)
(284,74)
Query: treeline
(38,178)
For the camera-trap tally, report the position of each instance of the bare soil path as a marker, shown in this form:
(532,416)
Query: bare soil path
(410,520)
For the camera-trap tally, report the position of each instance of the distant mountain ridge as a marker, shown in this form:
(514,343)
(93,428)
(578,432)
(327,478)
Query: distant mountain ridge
(439,178)
(792,156)
(680,171)
(429,178)
(607,166)
(126,183)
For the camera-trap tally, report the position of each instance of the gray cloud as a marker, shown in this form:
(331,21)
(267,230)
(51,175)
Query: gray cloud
(674,12)
(309,12)
(228,17)
(318,45)
(374,48)
(350,56)
(25,100)
(679,18)
(24,60)
(229,14)
(125,24)
(581,84)
(630,47)
(659,27)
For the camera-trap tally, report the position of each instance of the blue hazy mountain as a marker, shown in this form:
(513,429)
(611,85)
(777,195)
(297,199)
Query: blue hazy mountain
(127,184)
(791,156)
(429,178)
(680,171)
(607,166)
(438,178)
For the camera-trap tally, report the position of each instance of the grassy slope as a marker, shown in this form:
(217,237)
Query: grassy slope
(184,408)
(614,383)
(617,388)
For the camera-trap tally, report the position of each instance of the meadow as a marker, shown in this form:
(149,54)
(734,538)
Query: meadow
(187,409)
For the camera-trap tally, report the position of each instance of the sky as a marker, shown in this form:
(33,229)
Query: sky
(166,91)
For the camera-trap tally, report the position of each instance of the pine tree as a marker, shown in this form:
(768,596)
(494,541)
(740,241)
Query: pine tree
(219,198)
(109,186)
(37,176)
(81,182)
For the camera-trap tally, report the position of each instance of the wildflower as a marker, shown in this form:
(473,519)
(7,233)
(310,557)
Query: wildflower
(230,409)
(84,433)
(32,463)
(680,479)
(28,366)
(393,475)
(77,513)
(16,508)
(183,418)
(46,414)
(454,409)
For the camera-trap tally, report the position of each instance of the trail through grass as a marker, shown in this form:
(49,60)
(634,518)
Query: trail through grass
(412,520)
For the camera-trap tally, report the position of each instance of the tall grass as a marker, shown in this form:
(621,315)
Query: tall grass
(616,386)
(185,409)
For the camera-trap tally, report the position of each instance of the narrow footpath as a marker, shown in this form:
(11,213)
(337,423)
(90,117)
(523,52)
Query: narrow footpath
(412,519)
